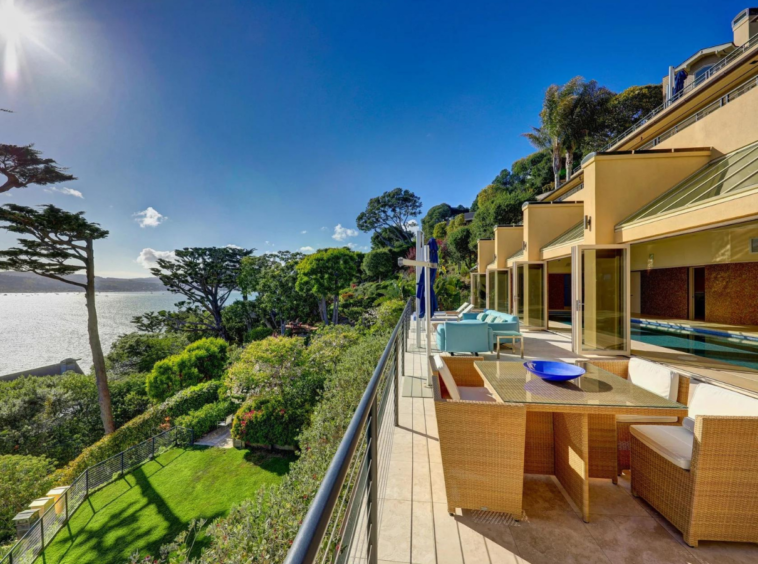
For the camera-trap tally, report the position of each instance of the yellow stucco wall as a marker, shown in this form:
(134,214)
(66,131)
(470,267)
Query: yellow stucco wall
(716,246)
(727,129)
(616,186)
(544,222)
(485,254)
(508,240)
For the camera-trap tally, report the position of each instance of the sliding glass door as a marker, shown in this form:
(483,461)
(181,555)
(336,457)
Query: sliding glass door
(502,291)
(530,294)
(600,304)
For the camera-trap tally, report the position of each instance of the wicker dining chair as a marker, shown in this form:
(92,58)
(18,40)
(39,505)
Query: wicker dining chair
(620,367)
(716,499)
(482,446)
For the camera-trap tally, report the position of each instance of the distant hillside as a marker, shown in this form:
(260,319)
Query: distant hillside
(24,282)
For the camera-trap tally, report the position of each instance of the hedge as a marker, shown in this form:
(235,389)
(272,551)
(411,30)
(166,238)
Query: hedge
(22,479)
(206,419)
(270,421)
(202,360)
(140,428)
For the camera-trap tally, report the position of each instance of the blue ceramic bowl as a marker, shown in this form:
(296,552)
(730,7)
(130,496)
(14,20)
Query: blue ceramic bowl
(554,371)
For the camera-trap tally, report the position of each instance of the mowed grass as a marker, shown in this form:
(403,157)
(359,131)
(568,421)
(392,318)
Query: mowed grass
(148,507)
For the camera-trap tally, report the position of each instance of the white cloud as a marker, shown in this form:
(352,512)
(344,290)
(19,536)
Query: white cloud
(148,258)
(65,191)
(307,250)
(351,246)
(149,217)
(325,228)
(342,233)
(303,232)
(230,246)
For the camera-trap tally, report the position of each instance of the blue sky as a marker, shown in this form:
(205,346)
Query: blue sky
(269,124)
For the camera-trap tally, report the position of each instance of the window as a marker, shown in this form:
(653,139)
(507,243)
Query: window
(702,73)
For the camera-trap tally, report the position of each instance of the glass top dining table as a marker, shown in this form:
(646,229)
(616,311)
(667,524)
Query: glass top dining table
(596,390)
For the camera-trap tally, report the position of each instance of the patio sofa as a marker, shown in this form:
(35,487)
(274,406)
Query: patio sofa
(497,321)
(702,476)
(481,440)
(454,337)
(656,378)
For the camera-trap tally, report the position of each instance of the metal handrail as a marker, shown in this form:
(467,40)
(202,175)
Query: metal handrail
(310,536)
(715,69)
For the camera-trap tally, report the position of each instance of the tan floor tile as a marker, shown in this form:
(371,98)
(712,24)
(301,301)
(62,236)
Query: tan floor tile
(609,499)
(724,553)
(438,483)
(435,455)
(542,495)
(395,531)
(636,540)
(472,544)
(556,538)
(423,549)
(496,533)
(400,481)
(446,534)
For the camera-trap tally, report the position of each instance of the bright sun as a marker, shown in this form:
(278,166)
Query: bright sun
(14,25)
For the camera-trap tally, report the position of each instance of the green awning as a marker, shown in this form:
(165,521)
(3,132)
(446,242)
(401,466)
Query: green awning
(726,176)
(576,233)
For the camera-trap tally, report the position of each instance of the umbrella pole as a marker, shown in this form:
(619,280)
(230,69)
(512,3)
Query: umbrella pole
(419,253)
(429,313)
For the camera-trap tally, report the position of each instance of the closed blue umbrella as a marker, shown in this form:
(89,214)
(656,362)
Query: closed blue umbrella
(420,287)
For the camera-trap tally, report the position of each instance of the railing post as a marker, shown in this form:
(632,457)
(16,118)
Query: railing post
(373,476)
(42,532)
(153,447)
(122,463)
(86,482)
(65,504)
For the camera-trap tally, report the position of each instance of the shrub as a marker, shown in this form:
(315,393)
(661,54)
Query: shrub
(270,421)
(22,479)
(257,334)
(202,360)
(265,366)
(138,352)
(387,315)
(378,265)
(327,346)
(205,419)
(140,428)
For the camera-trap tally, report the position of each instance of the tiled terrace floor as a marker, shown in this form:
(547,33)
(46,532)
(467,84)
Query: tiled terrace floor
(416,527)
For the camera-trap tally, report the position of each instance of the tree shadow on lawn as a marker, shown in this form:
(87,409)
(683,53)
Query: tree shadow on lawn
(274,461)
(94,540)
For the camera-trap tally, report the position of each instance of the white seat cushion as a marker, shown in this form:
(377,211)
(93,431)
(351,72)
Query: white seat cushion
(672,443)
(645,419)
(447,377)
(471,393)
(656,378)
(708,399)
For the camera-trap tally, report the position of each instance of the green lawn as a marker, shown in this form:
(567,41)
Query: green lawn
(155,502)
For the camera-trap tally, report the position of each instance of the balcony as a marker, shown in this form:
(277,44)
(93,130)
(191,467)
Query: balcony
(394,509)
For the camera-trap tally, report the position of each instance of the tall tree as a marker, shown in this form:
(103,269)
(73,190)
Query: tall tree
(583,116)
(556,111)
(438,213)
(24,165)
(324,274)
(206,276)
(390,215)
(61,243)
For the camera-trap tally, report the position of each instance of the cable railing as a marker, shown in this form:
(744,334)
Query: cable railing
(43,530)
(342,523)
(714,70)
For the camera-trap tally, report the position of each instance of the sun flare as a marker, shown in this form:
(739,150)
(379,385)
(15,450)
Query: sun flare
(15,24)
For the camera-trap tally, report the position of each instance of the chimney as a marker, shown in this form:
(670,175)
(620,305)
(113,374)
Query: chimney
(745,26)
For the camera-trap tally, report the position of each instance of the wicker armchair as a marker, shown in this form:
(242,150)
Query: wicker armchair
(482,445)
(620,367)
(717,498)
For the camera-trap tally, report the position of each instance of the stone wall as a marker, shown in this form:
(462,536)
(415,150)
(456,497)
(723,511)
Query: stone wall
(731,293)
(664,292)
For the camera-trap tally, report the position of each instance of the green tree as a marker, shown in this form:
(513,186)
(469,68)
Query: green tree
(206,276)
(456,223)
(459,245)
(239,318)
(378,265)
(138,352)
(23,166)
(557,109)
(624,110)
(389,216)
(61,244)
(440,230)
(438,213)
(503,209)
(324,274)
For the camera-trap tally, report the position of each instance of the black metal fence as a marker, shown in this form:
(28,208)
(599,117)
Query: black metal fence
(44,530)
(342,523)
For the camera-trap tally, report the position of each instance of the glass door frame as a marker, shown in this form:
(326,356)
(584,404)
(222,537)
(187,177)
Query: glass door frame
(516,291)
(577,307)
